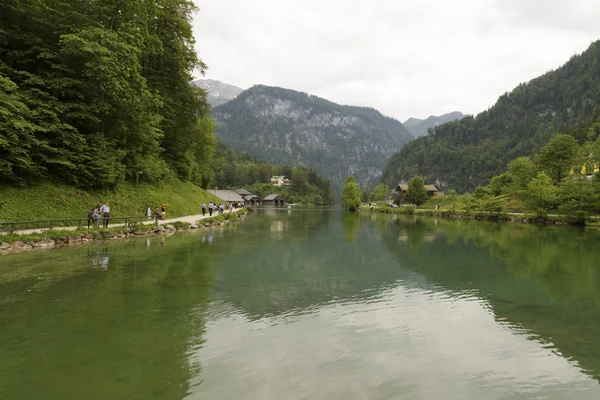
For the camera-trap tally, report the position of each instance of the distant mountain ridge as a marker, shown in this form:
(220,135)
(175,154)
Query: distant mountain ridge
(420,127)
(468,153)
(284,126)
(218,92)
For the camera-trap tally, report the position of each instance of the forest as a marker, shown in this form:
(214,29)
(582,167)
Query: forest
(234,170)
(564,179)
(466,154)
(94,93)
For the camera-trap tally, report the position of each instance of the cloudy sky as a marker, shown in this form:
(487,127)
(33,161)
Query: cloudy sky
(407,58)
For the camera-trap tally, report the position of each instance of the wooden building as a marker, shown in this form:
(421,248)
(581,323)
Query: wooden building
(402,189)
(274,200)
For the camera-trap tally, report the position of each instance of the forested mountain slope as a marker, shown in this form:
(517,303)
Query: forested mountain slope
(94,92)
(419,127)
(288,127)
(467,153)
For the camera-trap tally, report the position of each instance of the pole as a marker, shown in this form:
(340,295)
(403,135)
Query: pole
(137,192)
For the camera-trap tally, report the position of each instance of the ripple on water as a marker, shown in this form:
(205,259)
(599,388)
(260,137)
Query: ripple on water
(404,343)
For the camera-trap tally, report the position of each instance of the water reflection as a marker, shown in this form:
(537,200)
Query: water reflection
(543,279)
(122,333)
(308,304)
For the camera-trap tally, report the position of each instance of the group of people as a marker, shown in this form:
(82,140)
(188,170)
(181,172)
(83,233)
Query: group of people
(159,213)
(219,208)
(100,212)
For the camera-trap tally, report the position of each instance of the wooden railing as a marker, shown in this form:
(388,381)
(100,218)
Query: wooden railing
(12,226)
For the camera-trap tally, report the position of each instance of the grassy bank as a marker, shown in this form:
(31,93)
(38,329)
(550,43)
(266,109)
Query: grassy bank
(49,201)
(106,233)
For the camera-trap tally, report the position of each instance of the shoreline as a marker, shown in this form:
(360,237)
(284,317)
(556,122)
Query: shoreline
(515,218)
(18,243)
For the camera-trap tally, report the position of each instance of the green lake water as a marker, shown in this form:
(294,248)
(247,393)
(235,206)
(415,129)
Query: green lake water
(308,305)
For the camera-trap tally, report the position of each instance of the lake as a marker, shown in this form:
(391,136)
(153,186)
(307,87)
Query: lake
(308,304)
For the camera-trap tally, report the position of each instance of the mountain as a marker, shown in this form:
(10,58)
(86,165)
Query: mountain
(467,153)
(284,126)
(420,127)
(218,92)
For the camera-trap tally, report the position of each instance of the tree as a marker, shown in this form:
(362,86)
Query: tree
(541,194)
(500,183)
(351,195)
(452,197)
(381,192)
(416,193)
(559,156)
(366,195)
(521,171)
(577,195)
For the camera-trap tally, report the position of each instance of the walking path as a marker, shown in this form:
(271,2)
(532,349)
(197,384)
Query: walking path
(188,218)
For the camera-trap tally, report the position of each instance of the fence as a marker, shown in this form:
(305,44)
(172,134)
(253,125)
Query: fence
(12,226)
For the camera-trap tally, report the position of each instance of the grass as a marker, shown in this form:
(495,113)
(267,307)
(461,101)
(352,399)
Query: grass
(49,201)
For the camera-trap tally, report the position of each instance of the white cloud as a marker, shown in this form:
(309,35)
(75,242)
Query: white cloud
(405,58)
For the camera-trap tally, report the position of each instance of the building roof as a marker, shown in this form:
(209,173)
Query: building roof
(273,197)
(242,192)
(250,197)
(226,195)
(429,188)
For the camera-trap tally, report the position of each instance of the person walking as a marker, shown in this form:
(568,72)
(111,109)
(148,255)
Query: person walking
(203,209)
(211,206)
(106,212)
(163,211)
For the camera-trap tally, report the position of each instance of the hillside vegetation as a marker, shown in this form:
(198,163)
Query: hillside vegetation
(50,201)
(468,153)
(234,170)
(93,92)
(283,126)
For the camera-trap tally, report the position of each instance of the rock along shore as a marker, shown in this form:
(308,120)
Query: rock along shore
(113,234)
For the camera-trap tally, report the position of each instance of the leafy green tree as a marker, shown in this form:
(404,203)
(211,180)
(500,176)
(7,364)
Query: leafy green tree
(521,171)
(577,195)
(482,192)
(541,194)
(500,184)
(366,195)
(351,196)
(452,198)
(416,193)
(559,156)
(381,192)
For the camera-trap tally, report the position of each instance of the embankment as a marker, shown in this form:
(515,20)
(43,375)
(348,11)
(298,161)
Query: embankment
(50,201)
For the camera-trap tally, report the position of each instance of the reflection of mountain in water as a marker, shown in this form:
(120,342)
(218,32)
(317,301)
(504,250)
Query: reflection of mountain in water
(542,279)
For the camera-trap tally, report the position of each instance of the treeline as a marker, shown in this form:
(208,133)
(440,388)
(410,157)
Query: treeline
(468,153)
(94,92)
(563,178)
(235,170)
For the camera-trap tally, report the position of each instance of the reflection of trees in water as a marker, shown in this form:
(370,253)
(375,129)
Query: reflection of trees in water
(338,262)
(351,222)
(123,333)
(544,279)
